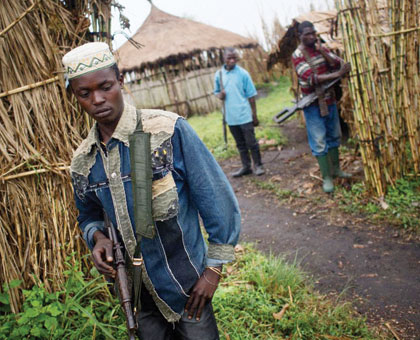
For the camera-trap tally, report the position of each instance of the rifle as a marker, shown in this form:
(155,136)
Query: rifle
(124,291)
(304,102)
(223,112)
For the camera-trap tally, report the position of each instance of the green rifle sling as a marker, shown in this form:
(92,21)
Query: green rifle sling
(141,179)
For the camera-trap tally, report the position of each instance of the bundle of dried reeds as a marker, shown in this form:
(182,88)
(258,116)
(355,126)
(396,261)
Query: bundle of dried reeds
(381,41)
(39,129)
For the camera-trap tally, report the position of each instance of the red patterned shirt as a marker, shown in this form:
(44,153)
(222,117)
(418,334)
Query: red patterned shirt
(307,78)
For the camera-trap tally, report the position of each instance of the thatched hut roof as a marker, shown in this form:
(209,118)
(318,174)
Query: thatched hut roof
(325,24)
(167,38)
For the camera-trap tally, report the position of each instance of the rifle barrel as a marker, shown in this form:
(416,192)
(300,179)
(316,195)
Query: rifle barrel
(122,280)
(301,104)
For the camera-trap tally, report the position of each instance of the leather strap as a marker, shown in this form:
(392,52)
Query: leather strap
(141,179)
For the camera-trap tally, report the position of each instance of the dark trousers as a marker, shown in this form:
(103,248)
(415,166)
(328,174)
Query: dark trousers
(246,142)
(153,326)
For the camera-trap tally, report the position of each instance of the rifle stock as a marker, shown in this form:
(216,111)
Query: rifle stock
(122,280)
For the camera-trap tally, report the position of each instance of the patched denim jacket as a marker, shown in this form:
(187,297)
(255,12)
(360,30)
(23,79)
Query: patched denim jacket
(176,257)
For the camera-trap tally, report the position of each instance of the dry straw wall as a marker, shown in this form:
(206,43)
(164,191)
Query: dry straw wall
(381,39)
(39,129)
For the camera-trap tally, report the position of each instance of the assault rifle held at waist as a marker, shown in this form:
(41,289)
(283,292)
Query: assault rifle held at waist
(301,104)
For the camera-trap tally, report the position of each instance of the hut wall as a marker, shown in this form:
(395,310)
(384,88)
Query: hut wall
(187,87)
(187,94)
(39,129)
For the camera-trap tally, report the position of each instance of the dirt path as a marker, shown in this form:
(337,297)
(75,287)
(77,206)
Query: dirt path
(376,267)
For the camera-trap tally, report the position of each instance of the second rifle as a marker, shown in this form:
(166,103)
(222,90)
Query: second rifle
(301,104)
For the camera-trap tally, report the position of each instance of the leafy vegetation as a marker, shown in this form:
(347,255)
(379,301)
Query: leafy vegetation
(247,306)
(83,309)
(400,207)
(209,127)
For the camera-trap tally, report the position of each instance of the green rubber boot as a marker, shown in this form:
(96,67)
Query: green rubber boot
(333,155)
(324,166)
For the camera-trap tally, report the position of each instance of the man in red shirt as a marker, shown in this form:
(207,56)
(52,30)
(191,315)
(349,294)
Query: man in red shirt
(314,66)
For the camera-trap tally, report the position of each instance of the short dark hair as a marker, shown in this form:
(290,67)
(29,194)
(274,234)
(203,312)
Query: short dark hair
(305,24)
(116,70)
(228,50)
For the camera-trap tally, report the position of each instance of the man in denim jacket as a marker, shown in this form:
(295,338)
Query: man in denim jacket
(180,273)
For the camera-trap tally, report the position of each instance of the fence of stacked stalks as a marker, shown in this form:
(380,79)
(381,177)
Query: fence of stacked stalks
(381,40)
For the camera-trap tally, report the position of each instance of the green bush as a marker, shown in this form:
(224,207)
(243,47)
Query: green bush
(83,309)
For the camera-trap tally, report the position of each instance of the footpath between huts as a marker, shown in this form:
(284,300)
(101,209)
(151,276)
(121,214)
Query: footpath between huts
(349,255)
(373,265)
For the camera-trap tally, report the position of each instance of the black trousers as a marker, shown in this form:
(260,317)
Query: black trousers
(153,326)
(246,142)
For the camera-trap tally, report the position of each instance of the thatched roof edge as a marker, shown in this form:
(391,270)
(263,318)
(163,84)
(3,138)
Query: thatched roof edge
(168,39)
(177,58)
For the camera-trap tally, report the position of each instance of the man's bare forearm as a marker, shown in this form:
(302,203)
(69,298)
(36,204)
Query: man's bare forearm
(97,235)
(330,60)
(322,78)
(253,106)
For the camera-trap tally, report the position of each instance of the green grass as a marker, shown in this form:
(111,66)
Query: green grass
(281,194)
(256,287)
(402,201)
(260,286)
(209,127)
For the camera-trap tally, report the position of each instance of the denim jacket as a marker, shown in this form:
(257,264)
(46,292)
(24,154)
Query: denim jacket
(187,183)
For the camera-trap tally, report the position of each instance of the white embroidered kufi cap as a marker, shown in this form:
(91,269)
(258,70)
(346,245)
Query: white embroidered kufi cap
(88,58)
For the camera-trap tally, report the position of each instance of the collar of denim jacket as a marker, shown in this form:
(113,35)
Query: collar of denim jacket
(126,125)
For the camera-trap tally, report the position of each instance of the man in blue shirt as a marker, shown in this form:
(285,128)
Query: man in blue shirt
(179,272)
(234,86)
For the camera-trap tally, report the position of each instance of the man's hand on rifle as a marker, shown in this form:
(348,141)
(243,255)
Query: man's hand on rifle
(221,95)
(345,68)
(202,293)
(102,254)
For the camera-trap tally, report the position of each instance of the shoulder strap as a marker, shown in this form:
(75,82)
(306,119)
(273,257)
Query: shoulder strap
(141,179)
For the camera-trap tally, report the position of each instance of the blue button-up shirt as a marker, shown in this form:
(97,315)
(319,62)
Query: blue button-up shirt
(175,258)
(239,87)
